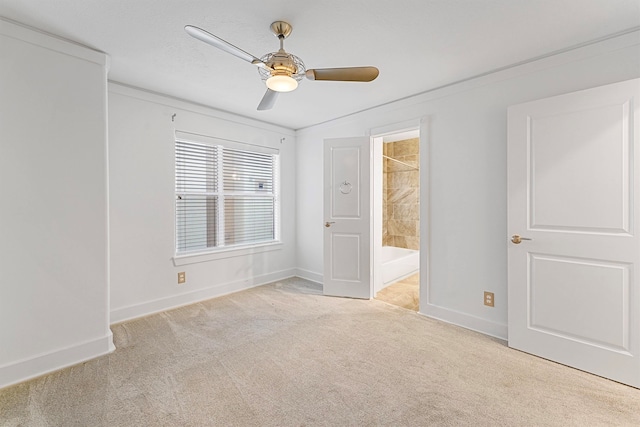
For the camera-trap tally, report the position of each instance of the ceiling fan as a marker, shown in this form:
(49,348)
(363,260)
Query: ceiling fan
(280,70)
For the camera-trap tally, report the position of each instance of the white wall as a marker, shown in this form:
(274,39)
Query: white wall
(53,218)
(142,204)
(463,173)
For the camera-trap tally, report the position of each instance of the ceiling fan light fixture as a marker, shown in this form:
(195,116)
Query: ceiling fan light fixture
(281,83)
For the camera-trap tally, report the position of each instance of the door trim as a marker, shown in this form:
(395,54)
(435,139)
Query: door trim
(422,124)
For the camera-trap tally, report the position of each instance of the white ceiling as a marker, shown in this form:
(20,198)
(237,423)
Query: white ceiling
(418,45)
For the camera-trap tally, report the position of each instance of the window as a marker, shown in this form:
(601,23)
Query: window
(226,195)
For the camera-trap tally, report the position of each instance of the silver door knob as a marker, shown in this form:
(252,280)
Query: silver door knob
(517,239)
(328,223)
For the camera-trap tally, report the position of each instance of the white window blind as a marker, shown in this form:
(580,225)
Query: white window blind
(225,197)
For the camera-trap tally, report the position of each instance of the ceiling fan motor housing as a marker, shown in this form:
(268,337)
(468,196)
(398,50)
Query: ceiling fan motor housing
(282,64)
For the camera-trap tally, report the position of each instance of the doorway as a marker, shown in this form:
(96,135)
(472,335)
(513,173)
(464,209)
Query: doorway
(353,214)
(396,212)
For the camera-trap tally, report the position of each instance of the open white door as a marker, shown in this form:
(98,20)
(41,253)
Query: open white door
(574,293)
(347,227)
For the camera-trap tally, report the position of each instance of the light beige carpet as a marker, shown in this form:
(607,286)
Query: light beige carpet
(284,355)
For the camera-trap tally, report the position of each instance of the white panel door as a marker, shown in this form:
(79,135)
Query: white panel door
(574,294)
(347,226)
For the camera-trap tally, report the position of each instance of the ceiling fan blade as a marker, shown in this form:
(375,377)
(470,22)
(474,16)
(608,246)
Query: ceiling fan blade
(351,74)
(216,41)
(268,100)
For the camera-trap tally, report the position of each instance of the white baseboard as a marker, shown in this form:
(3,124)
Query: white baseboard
(309,275)
(487,327)
(42,364)
(150,307)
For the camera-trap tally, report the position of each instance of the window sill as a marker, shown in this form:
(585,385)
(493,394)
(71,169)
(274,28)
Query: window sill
(225,253)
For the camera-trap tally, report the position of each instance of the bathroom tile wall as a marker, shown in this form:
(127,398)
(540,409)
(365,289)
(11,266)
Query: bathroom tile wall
(401,195)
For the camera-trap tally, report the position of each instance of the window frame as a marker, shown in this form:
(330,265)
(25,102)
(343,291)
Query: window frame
(224,251)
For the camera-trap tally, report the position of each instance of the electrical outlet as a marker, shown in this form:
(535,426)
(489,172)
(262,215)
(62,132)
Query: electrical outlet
(488,299)
(182,277)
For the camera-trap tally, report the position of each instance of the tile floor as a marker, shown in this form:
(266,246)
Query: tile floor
(405,293)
